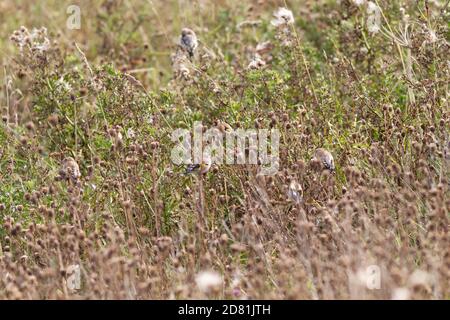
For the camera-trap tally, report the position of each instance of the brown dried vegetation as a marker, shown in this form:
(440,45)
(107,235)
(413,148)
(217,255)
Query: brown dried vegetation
(87,185)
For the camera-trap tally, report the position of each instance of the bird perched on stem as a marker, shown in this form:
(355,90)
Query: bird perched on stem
(295,192)
(202,168)
(188,41)
(70,169)
(325,158)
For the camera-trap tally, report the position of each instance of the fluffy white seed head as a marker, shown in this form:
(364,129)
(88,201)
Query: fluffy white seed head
(283,16)
(208,280)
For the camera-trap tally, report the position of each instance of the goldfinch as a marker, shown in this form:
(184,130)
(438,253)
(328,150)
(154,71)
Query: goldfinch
(202,168)
(295,192)
(325,158)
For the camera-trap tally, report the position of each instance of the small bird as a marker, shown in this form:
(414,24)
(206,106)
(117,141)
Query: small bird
(295,192)
(188,41)
(70,169)
(199,167)
(256,63)
(324,157)
(264,47)
(223,126)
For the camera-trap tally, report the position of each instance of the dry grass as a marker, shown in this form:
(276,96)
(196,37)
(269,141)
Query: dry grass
(110,94)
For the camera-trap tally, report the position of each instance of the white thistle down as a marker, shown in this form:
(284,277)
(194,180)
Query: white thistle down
(420,277)
(431,36)
(400,294)
(373,17)
(283,16)
(208,280)
(36,40)
(359,2)
(237,277)
(63,84)
(131,133)
(256,63)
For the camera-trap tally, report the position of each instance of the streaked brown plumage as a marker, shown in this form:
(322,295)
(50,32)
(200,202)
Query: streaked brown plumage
(70,169)
(295,192)
(325,158)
